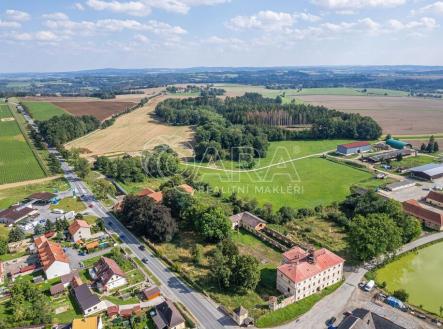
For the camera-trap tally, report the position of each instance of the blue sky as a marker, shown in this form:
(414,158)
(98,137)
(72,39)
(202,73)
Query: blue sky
(58,35)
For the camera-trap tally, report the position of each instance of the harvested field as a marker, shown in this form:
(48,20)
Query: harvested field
(135,132)
(396,115)
(100,109)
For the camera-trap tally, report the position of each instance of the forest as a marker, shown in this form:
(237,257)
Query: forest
(244,126)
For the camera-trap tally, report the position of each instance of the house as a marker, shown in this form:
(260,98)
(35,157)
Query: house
(67,279)
(150,193)
(151,293)
(93,322)
(87,301)
(353,148)
(80,230)
(57,289)
(187,188)
(168,317)
(363,319)
(247,221)
(53,259)
(435,199)
(398,144)
(15,214)
(304,273)
(108,275)
(429,217)
(428,172)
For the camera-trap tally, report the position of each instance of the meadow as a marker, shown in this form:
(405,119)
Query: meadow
(305,182)
(42,111)
(419,273)
(17,161)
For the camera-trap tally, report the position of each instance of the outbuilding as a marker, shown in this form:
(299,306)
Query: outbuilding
(428,172)
(398,144)
(400,185)
(435,199)
(353,148)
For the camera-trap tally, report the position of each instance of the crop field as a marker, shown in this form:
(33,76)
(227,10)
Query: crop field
(304,182)
(135,132)
(99,109)
(17,162)
(396,115)
(43,111)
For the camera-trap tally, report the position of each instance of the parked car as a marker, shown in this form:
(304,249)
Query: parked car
(145,260)
(331,321)
(141,247)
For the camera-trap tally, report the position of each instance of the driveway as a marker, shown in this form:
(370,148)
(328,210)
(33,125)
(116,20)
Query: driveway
(75,259)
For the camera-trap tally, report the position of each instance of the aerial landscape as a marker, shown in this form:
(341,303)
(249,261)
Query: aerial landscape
(221,164)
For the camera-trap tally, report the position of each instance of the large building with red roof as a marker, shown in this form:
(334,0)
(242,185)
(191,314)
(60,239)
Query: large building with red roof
(353,148)
(304,273)
(430,217)
(79,230)
(53,259)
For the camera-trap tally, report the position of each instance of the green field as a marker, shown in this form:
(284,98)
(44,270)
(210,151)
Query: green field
(410,162)
(419,273)
(43,111)
(17,161)
(301,183)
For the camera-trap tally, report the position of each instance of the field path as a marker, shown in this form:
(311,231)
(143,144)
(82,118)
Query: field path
(28,182)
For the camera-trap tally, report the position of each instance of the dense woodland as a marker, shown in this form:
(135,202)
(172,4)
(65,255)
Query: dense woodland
(62,129)
(242,126)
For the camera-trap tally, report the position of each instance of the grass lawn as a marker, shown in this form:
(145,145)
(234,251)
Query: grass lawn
(43,111)
(4,232)
(69,204)
(119,301)
(303,183)
(17,160)
(293,311)
(6,257)
(410,162)
(91,220)
(133,188)
(16,194)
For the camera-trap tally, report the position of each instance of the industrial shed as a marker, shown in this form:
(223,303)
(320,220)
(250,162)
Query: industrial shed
(397,144)
(353,148)
(400,185)
(428,172)
(379,157)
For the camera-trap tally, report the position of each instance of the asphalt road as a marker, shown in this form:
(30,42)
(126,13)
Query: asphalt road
(202,308)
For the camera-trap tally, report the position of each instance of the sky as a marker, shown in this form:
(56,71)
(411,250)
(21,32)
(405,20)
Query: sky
(62,35)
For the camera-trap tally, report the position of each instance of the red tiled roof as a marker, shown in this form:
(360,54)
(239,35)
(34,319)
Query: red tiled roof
(435,196)
(76,225)
(113,310)
(355,144)
(412,207)
(187,188)
(156,196)
(145,192)
(301,269)
(293,254)
(49,252)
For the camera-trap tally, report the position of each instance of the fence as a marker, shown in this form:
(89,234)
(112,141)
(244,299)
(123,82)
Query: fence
(275,305)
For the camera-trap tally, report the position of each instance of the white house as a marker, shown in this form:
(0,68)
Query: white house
(304,273)
(88,302)
(54,261)
(80,230)
(108,275)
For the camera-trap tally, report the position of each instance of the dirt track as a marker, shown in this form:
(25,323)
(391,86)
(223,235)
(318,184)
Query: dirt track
(396,115)
(135,132)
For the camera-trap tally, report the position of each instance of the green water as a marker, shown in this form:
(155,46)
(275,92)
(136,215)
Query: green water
(420,274)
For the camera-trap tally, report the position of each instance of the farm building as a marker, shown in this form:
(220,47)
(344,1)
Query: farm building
(353,148)
(435,199)
(108,275)
(400,185)
(398,144)
(43,197)
(53,259)
(79,230)
(248,221)
(167,316)
(363,319)
(87,301)
(430,218)
(294,276)
(428,172)
(379,157)
(151,293)
(15,214)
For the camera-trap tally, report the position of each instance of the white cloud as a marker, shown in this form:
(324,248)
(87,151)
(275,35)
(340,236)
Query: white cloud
(45,36)
(9,24)
(433,8)
(140,38)
(426,23)
(269,21)
(21,36)
(17,15)
(79,6)
(56,16)
(356,4)
(144,7)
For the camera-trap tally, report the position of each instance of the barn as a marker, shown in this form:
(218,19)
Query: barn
(428,172)
(353,148)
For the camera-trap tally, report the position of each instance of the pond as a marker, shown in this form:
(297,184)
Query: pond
(420,274)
